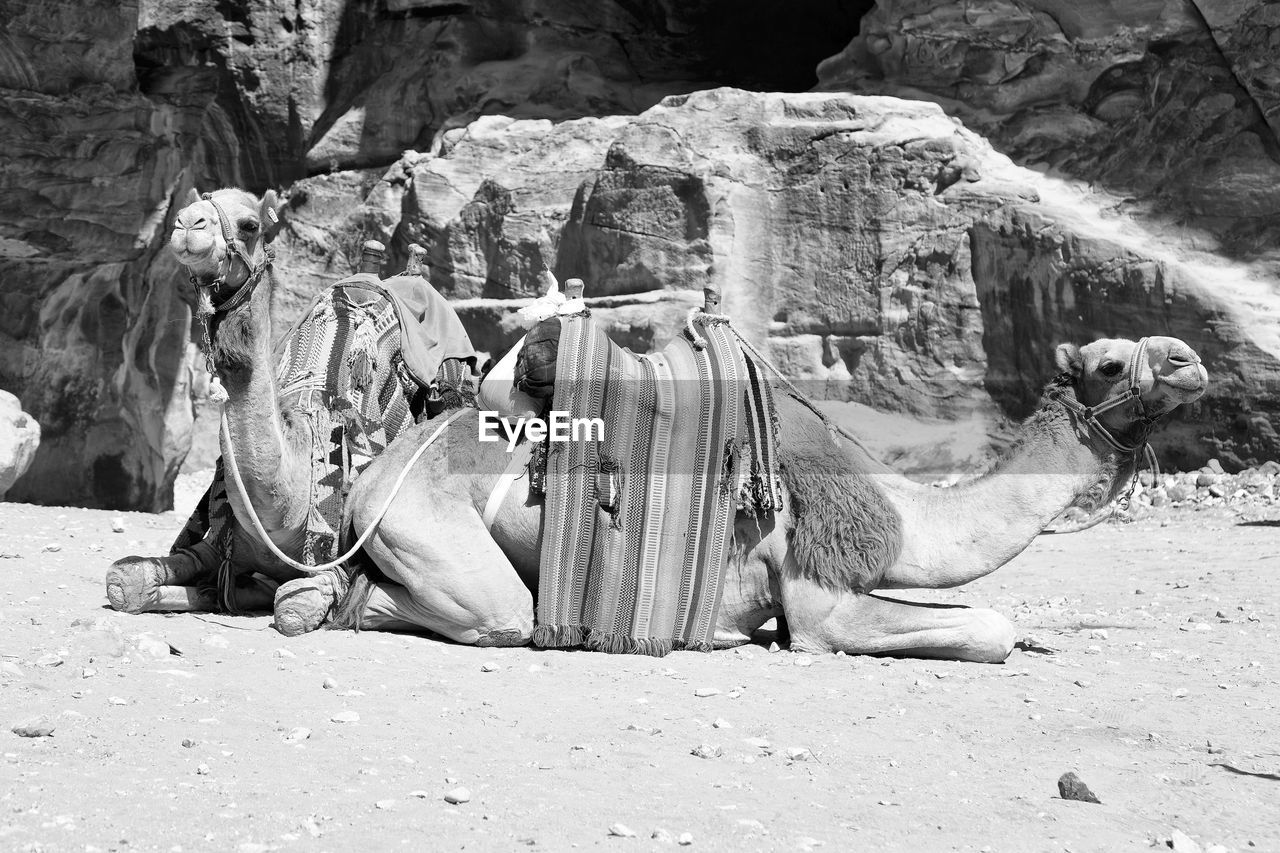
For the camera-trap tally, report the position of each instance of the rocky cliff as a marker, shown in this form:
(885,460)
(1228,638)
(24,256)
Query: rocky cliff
(888,257)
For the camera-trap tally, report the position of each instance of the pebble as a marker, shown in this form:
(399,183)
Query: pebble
(345,717)
(1071,787)
(116,700)
(722,723)
(188,742)
(36,727)
(386,805)
(757,742)
(1080,682)
(621,830)
(685,839)
(706,750)
(804,661)
(1181,843)
(51,659)
(1098,634)
(798,753)
(117,524)
(329,684)
(489,667)
(88,672)
(704,692)
(297,735)
(283,653)
(52,546)
(202,770)
(457,796)
(661,836)
(420,794)
(774,647)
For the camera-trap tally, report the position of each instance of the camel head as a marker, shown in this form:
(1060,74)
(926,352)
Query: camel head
(221,237)
(1167,372)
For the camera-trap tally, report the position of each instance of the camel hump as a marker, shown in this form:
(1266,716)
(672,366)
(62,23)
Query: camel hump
(536,366)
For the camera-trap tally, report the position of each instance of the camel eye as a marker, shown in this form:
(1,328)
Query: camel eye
(1111,368)
(249,225)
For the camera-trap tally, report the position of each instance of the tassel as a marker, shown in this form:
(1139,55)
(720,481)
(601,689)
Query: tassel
(363,360)
(217,392)
(204,302)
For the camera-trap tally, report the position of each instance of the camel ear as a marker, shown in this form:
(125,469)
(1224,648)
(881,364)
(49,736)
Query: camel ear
(192,197)
(269,214)
(1067,357)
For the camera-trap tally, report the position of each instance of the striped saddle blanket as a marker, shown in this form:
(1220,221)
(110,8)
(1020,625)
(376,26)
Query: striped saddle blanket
(637,522)
(366,360)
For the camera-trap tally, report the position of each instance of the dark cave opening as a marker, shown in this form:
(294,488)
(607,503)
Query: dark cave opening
(773,46)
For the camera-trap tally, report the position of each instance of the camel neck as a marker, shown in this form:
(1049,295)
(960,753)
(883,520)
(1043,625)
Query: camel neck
(255,432)
(972,529)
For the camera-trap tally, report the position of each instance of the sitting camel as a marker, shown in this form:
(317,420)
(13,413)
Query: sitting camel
(275,431)
(453,576)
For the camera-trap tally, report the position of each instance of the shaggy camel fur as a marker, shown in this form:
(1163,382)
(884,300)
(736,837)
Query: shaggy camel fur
(447,574)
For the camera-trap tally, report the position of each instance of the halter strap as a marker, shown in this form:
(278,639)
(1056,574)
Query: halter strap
(1089,414)
(255,273)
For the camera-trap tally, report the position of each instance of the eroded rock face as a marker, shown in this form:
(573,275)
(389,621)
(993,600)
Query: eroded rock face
(110,112)
(19,438)
(882,252)
(1143,98)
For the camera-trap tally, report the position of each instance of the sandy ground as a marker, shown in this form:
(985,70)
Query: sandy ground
(1161,692)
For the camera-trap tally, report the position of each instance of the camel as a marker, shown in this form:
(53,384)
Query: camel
(223,239)
(445,572)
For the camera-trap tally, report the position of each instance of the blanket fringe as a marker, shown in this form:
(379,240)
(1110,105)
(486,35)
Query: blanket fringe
(555,636)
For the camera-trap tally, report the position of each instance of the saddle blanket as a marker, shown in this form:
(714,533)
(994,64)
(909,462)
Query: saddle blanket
(636,524)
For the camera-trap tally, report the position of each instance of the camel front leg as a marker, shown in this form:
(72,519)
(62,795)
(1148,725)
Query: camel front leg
(156,584)
(824,621)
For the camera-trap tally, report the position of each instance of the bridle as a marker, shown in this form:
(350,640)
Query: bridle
(207,290)
(206,307)
(1089,414)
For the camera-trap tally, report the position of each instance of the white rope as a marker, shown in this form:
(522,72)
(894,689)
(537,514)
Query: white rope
(256,524)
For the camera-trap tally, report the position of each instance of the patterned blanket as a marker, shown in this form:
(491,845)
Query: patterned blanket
(636,526)
(353,368)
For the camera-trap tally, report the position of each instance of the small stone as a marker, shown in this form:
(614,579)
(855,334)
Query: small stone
(1080,682)
(457,796)
(804,661)
(489,667)
(202,770)
(757,742)
(36,727)
(685,839)
(1217,490)
(345,717)
(116,700)
(774,647)
(1070,787)
(1099,634)
(798,753)
(188,742)
(1215,466)
(283,653)
(706,750)
(385,805)
(420,794)
(704,692)
(722,723)
(52,546)
(297,735)
(661,836)
(51,659)
(88,672)
(1180,843)
(329,684)
(621,830)
(1205,479)
(117,524)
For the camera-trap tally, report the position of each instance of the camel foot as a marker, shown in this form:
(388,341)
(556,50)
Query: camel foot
(135,584)
(302,605)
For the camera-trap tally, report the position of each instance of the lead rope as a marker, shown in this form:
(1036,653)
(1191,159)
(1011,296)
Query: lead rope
(234,471)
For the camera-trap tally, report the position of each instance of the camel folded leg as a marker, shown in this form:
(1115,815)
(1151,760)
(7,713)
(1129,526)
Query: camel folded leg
(437,548)
(142,584)
(823,620)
